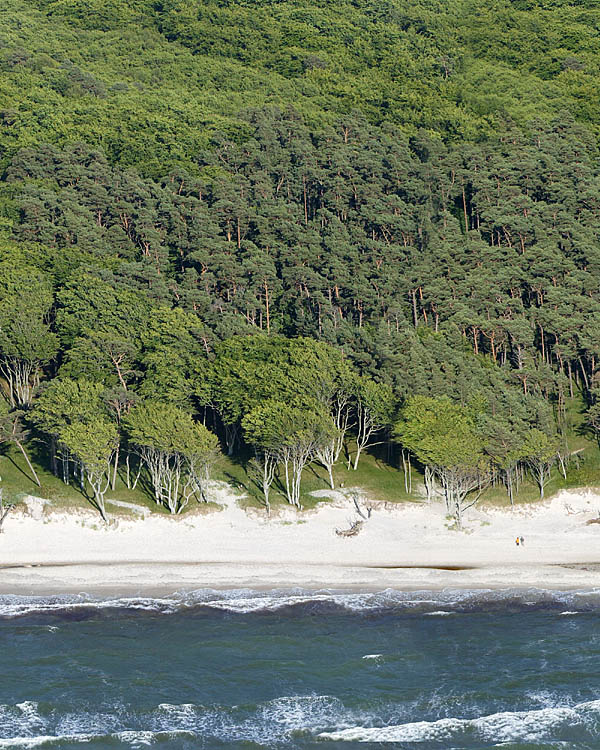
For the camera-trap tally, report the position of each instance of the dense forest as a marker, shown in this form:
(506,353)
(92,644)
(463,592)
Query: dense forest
(275,230)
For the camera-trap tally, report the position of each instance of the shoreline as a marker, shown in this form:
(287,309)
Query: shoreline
(404,547)
(134,579)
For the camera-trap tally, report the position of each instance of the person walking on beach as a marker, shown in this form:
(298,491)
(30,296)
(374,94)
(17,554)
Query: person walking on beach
(517,541)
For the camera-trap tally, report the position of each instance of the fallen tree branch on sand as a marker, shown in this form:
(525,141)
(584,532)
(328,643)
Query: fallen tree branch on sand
(357,524)
(359,509)
(354,529)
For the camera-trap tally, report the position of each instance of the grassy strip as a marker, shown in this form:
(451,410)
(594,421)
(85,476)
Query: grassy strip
(379,475)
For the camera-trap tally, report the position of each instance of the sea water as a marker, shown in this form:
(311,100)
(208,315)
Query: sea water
(296,669)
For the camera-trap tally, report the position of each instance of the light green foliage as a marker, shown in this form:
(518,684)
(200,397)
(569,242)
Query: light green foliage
(175,348)
(541,451)
(163,426)
(440,433)
(106,357)
(66,402)
(443,437)
(100,72)
(73,414)
(539,446)
(177,452)
(89,305)
(290,435)
(374,408)
(275,426)
(93,444)
(26,342)
(306,374)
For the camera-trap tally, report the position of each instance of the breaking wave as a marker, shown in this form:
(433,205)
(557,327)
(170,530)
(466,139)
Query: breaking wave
(273,722)
(553,724)
(285,721)
(247,601)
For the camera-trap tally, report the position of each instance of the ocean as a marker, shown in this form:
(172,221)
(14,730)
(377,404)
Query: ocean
(297,669)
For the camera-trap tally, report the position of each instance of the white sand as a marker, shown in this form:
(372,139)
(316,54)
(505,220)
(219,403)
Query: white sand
(403,546)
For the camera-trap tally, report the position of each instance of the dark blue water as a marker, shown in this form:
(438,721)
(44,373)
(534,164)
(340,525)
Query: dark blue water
(248,670)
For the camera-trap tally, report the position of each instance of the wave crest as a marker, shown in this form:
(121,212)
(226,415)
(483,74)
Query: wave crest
(247,601)
(507,726)
(283,720)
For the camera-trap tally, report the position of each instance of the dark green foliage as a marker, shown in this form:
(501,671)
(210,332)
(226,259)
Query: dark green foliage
(413,257)
(221,206)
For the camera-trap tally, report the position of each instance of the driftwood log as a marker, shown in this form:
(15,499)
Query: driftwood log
(356,524)
(354,529)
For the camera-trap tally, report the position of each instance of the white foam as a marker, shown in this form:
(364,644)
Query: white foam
(39,605)
(299,711)
(31,742)
(280,719)
(264,603)
(21,719)
(268,723)
(185,714)
(246,601)
(508,726)
(132,737)
(29,710)
(372,656)
(136,738)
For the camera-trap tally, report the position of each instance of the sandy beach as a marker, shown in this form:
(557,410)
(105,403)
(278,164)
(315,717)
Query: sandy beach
(401,546)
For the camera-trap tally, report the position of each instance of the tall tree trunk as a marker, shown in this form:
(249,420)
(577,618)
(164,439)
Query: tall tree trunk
(114,473)
(267,307)
(53,461)
(330,472)
(26,457)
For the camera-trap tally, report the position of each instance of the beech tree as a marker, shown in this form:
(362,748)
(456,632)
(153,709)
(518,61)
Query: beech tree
(176,451)
(27,344)
(328,450)
(118,402)
(263,467)
(506,446)
(290,435)
(66,402)
(93,444)
(174,357)
(443,435)
(13,430)
(247,371)
(540,451)
(374,407)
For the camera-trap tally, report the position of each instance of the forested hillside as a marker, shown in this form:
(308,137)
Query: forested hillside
(286,225)
(151,82)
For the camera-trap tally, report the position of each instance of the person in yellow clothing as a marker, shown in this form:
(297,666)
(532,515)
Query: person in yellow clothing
(517,541)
